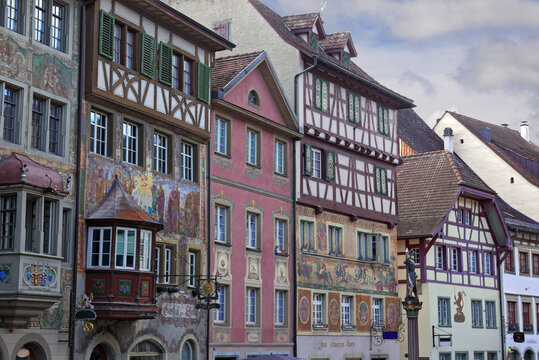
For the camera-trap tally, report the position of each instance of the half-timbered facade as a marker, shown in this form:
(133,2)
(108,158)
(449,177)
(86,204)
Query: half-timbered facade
(251,169)
(39,58)
(146,122)
(453,229)
(345,178)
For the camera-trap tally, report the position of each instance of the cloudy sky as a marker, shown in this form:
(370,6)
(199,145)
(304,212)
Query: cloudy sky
(477,57)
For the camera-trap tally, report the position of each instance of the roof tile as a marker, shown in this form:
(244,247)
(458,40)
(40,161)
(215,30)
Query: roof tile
(227,68)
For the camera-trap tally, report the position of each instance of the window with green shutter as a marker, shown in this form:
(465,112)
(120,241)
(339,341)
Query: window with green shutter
(147,63)
(380,176)
(321,94)
(165,63)
(354,108)
(314,41)
(383,121)
(330,165)
(204,78)
(308,160)
(106,34)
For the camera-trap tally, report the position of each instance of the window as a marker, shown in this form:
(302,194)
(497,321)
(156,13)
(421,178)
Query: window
(50,24)
(253,99)
(461,356)
(188,76)
(8,219)
(347,304)
(252,231)
(130,143)
(455,259)
(125,248)
(459,216)
(12,18)
(535,258)
(251,306)
(182,73)
(373,247)
(42,239)
(318,309)
(193,267)
(383,120)
(145,250)
(490,314)
(221,137)
(167,266)
(188,160)
(444,315)
(146,350)
(222,28)
(445,356)
(509,262)
(473,261)
(47,123)
(98,133)
(281,243)
(306,229)
(280,307)
(219,314)
(252,145)
(160,153)
(380,176)
(317,163)
(526,318)
(12,116)
(67,234)
(479,356)
(321,94)
(492,356)
(467,217)
(100,240)
(377,311)
(335,240)
(362,246)
(477,313)
(440,257)
(487,263)
(354,106)
(384,249)
(523,262)
(511,316)
(279,158)
(415,255)
(125,45)
(189,350)
(158,271)
(220,224)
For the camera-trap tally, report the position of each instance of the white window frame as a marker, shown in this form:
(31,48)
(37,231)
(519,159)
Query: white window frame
(347,304)
(251,306)
(188,161)
(252,219)
(487,263)
(472,254)
(145,250)
(455,259)
(167,266)
(377,310)
(192,267)
(130,142)
(125,254)
(100,254)
(335,240)
(99,124)
(310,244)
(221,136)
(158,264)
(477,313)
(439,258)
(317,163)
(279,156)
(220,223)
(160,152)
(280,226)
(444,311)
(251,148)
(318,309)
(220,314)
(280,307)
(490,314)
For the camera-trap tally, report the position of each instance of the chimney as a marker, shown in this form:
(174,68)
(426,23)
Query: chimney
(448,139)
(525,130)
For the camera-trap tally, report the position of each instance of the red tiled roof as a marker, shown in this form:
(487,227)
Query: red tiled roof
(301,21)
(427,185)
(335,41)
(227,68)
(416,133)
(118,205)
(504,141)
(276,21)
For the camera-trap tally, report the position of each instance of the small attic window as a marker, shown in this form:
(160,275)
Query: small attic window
(253,99)
(512,180)
(313,41)
(462,141)
(346,59)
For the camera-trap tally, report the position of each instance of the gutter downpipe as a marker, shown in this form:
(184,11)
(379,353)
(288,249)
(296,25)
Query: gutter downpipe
(294,174)
(208,255)
(82,74)
(502,305)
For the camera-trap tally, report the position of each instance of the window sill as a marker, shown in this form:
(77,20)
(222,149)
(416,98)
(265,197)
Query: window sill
(253,249)
(222,243)
(491,327)
(217,153)
(254,166)
(348,328)
(221,324)
(446,326)
(281,326)
(477,327)
(310,251)
(252,326)
(285,254)
(283,176)
(320,326)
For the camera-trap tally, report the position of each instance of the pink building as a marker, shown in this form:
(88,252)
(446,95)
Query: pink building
(251,168)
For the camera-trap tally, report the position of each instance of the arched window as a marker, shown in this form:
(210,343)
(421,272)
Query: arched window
(253,98)
(189,350)
(146,350)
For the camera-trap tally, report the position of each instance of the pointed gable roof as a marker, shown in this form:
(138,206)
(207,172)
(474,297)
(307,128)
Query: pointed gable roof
(504,141)
(428,184)
(279,25)
(305,22)
(227,68)
(416,133)
(338,41)
(118,205)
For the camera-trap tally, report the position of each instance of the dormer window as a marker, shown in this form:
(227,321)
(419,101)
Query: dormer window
(253,99)
(313,41)
(346,59)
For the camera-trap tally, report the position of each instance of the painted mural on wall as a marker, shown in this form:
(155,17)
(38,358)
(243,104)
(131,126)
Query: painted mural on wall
(174,203)
(52,75)
(12,57)
(57,316)
(459,305)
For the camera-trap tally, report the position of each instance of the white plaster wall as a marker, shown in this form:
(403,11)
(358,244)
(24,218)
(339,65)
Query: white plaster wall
(249,31)
(495,172)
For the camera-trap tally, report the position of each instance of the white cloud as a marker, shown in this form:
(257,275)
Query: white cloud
(409,77)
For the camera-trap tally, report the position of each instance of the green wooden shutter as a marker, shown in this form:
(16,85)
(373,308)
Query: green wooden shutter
(147,66)
(330,166)
(380,119)
(386,122)
(325,96)
(357,109)
(106,34)
(308,160)
(383,181)
(351,107)
(203,83)
(165,63)
(318,93)
(377,179)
